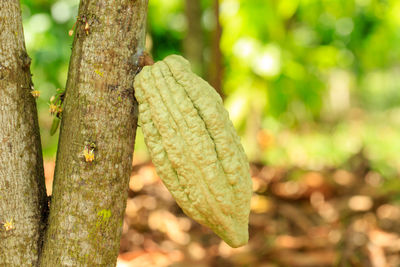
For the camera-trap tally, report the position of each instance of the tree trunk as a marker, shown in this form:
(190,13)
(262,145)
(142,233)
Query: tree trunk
(99,118)
(216,67)
(23,201)
(193,43)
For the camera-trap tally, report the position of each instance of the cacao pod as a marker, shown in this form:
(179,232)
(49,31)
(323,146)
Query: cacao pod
(195,148)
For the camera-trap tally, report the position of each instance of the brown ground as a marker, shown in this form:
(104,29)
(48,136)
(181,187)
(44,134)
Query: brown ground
(299,218)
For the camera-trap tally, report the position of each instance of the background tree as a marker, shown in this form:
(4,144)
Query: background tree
(193,44)
(216,66)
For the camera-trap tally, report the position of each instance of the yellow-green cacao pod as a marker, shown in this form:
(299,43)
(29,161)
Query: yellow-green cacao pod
(195,148)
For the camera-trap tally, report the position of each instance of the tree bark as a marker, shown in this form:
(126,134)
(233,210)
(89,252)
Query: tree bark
(99,117)
(23,201)
(193,43)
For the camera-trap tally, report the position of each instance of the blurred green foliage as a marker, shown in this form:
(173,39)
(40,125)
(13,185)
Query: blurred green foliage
(309,83)
(46,25)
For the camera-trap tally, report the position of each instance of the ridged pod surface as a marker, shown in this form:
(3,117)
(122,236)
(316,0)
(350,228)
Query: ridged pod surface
(195,148)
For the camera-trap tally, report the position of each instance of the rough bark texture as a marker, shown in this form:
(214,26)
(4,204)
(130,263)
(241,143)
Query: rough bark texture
(193,43)
(89,198)
(22,191)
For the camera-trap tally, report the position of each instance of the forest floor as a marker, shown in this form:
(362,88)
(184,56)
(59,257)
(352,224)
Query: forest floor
(299,218)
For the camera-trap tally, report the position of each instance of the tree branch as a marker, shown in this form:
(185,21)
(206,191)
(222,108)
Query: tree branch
(23,202)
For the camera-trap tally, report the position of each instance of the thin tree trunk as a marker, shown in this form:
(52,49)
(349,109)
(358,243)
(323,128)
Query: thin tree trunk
(23,201)
(193,43)
(216,67)
(100,114)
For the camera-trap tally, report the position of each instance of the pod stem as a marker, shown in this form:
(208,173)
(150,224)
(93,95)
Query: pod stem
(146,60)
